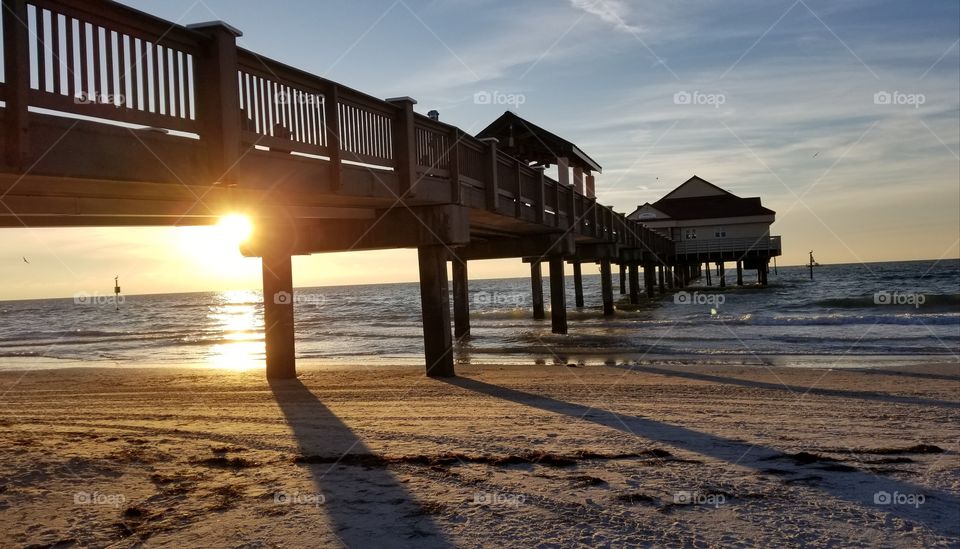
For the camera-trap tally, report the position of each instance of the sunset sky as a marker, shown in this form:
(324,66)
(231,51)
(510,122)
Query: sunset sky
(793,110)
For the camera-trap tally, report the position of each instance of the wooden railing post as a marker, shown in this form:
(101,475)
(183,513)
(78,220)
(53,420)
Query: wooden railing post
(491,186)
(541,198)
(456,191)
(331,121)
(517,200)
(16,62)
(557,190)
(572,210)
(218,98)
(589,214)
(405,145)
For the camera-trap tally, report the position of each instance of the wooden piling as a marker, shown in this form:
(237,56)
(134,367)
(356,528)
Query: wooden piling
(536,287)
(634,269)
(650,277)
(558,296)
(739,273)
(661,278)
(278,316)
(709,275)
(723,274)
(461,299)
(578,284)
(623,278)
(606,287)
(435,308)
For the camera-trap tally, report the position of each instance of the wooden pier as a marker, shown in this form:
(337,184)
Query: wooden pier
(113,117)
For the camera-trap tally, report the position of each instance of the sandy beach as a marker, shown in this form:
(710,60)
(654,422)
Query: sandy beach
(686,455)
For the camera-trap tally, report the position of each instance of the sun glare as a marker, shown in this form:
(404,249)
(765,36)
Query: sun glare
(217,248)
(235,228)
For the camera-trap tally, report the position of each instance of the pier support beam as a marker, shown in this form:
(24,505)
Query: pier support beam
(739,273)
(650,277)
(558,296)
(606,287)
(709,276)
(660,278)
(623,278)
(278,316)
(536,286)
(764,269)
(723,274)
(578,284)
(668,275)
(461,299)
(634,283)
(435,307)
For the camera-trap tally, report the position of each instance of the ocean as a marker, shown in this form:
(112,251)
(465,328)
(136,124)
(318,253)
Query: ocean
(848,315)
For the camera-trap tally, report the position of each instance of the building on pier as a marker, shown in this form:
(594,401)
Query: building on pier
(709,224)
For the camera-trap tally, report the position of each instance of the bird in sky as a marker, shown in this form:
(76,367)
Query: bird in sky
(25,261)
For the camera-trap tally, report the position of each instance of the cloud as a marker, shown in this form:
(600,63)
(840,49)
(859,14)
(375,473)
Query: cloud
(613,12)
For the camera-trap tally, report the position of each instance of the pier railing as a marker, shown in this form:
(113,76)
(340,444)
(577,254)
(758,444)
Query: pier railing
(733,245)
(115,64)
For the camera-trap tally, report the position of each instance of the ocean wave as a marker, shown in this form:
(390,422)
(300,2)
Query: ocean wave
(912,319)
(932,303)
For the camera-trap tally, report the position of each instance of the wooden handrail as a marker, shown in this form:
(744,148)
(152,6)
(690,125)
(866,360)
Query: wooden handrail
(195,79)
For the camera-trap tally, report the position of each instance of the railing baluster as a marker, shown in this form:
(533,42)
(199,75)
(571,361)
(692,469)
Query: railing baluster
(42,45)
(54,52)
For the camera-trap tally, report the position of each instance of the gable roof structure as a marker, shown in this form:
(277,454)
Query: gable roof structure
(696,186)
(531,143)
(697,198)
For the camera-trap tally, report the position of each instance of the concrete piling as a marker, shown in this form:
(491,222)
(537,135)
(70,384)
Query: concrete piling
(536,287)
(461,299)
(558,296)
(435,305)
(278,316)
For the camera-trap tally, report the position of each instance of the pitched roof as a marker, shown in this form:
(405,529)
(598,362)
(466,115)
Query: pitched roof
(697,181)
(530,142)
(708,207)
(721,204)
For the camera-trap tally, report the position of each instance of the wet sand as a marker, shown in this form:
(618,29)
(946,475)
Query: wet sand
(665,454)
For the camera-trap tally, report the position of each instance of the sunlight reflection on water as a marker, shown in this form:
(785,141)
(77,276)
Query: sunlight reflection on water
(241,346)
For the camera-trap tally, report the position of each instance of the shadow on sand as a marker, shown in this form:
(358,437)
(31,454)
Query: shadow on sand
(799,390)
(939,512)
(368,506)
(918,375)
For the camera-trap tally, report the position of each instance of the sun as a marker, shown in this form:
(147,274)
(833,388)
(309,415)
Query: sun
(216,248)
(234,228)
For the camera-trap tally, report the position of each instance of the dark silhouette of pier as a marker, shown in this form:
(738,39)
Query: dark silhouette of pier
(113,117)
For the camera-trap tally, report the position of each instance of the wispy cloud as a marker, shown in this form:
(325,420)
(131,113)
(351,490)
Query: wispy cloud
(613,12)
